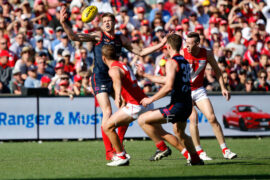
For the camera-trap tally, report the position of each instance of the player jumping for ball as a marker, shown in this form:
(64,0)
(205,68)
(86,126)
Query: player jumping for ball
(176,81)
(101,82)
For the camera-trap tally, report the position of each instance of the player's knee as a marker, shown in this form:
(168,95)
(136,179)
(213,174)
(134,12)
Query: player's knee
(107,127)
(212,119)
(107,113)
(141,121)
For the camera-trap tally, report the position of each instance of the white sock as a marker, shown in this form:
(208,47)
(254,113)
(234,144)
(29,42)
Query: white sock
(198,148)
(222,146)
(183,151)
(121,153)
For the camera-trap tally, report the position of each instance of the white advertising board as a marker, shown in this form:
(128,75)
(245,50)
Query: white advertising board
(18,118)
(62,118)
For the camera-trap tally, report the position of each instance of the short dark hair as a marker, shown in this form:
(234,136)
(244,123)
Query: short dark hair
(194,35)
(108,51)
(175,41)
(109,15)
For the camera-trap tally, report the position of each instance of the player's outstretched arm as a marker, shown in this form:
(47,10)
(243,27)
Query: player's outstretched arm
(213,63)
(143,52)
(153,78)
(171,68)
(116,75)
(95,36)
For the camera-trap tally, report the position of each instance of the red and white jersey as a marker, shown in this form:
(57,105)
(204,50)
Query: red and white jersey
(197,67)
(130,91)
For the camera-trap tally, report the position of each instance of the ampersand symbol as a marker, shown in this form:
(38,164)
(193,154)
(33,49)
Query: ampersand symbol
(59,120)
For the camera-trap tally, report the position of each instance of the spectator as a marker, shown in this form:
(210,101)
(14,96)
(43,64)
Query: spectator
(146,33)
(69,67)
(17,46)
(123,18)
(86,82)
(45,81)
(32,81)
(226,80)
(59,30)
(249,87)
(261,84)
(203,17)
(17,82)
(159,32)
(180,11)
(236,46)
(210,82)
(160,8)
(65,89)
(5,72)
(77,86)
(264,61)
(251,55)
(234,80)
(242,80)
(41,68)
(102,5)
(65,45)
(12,57)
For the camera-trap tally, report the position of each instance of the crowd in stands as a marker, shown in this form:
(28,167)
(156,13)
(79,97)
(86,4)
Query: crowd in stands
(36,52)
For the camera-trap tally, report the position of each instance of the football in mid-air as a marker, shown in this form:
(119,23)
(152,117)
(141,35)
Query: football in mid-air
(89,14)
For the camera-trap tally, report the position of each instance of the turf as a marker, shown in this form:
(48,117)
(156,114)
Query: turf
(85,160)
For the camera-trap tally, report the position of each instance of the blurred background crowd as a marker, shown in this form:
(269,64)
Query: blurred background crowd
(35,52)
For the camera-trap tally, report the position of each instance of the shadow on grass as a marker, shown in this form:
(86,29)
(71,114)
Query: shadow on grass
(171,178)
(237,163)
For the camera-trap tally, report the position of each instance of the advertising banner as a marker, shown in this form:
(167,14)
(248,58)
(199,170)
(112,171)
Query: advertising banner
(62,118)
(18,118)
(67,119)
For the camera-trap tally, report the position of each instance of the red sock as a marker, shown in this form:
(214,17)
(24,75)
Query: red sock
(121,133)
(106,141)
(185,154)
(161,145)
(195,157)
(224,149)
(199,152)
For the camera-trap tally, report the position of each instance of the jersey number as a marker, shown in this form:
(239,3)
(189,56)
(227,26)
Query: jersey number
(186,76)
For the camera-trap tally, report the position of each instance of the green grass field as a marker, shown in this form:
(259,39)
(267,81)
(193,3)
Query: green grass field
(86,160)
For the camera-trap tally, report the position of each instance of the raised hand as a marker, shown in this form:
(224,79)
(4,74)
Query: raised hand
(63,14)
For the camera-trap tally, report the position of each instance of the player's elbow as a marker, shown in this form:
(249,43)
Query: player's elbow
(168,89)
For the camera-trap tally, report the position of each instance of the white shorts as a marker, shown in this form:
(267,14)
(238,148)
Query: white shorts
(135,110)
(199,94)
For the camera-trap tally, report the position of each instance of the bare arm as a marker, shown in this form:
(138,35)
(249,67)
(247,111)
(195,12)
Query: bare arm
(142,52)
(171,68)
(82,37)
(213,63)
(153,78)
(116,75)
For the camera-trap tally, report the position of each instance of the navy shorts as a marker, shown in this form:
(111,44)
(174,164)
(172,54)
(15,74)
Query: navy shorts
(100,85)
(176,112)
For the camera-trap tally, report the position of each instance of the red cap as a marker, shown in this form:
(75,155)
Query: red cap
(223,22)
(267,39)
(123,26)
(252,42)
(63,83)
(252,19)
(185,20)
(213,20)
(45,79)
(59,65)
(164,47)
(4,53)
(40,2)
(79,17)
(199,27)
(75,10)
(179,27)
(140,9)
(77,78)
(145,22)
